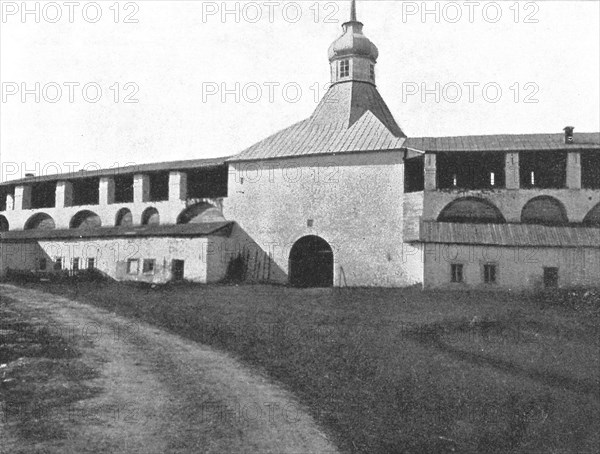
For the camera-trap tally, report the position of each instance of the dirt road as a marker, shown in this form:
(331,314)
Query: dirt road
(164,394)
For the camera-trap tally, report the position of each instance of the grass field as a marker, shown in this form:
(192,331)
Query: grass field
(390,371)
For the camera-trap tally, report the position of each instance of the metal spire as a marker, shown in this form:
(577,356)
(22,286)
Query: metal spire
(353,11)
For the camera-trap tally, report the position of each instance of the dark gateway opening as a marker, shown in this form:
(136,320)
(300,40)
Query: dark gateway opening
(311,263)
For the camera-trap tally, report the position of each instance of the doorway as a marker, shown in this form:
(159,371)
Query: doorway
(177,270)
(311,263)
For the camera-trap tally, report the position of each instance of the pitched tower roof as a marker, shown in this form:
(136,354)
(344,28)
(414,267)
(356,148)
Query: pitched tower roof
(351,117)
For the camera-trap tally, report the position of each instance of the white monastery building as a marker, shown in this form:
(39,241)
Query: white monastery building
(342,198)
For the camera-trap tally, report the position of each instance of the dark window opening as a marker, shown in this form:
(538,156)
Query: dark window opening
(43,195)
(58,263)
(551,277)
(91,263)
(543,169)
(86,191)
(124,189)
(372,72)
(42,264)
(4,193)
(207,183)
(159,186)
(414,174)
(456,273)
(75,264)
(148,266)
(489,274)
(470,170)
(590,170)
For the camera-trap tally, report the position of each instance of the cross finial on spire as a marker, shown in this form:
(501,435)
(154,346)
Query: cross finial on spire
(353,11)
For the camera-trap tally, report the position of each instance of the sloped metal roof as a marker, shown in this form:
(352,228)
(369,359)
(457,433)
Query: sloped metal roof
(126,170)
(351,117)
(509,235)
(505,142)
(180,230)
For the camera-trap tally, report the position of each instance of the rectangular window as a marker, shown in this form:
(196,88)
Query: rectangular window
(543,169)
(42,264)
(372,72)
(590,170)
(489,273)
(456,273)
(91,263)
(123,189)
(75,264)
(344,68)
(133,266)
(492,179)
(58,264)
(159,186)
(551,277)
(148,267)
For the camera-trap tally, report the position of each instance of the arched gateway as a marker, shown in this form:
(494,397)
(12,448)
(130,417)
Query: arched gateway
(311,263)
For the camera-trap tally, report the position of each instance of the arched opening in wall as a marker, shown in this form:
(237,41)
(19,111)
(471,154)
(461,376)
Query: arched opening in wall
(150,216)
(4,226)
(592,219)
(124,218)
(471,210)
(311,263)
(40,221)
(200,213)
(544,210)
(85,220)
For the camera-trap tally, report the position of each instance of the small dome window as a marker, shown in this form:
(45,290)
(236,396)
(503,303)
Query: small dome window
(372,72)
(344,68)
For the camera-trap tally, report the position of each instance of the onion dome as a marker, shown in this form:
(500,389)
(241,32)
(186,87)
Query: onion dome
(353,42)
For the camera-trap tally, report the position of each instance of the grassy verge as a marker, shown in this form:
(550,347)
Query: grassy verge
(41,375)
(393,371)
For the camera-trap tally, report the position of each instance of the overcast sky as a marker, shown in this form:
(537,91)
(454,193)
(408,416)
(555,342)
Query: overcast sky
(175,58)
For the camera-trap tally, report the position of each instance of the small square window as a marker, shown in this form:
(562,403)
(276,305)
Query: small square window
(310,223)
(133,266)
(91,263)
(456,273)
(58,263)
(75,264)
(344,68)
(148,266)
(489,273)
(43,264)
